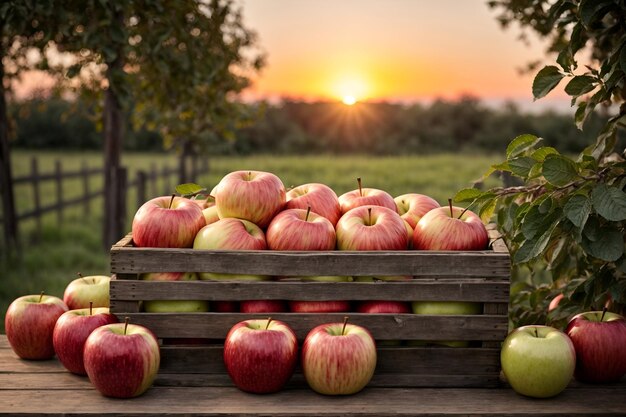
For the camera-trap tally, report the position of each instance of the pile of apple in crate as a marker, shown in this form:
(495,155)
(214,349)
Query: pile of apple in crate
(438,293)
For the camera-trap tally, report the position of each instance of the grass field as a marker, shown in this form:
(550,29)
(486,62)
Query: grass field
(51,259)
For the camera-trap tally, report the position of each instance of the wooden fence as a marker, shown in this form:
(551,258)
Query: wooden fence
(144,182)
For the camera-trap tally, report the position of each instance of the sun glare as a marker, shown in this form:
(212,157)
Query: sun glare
(349,100)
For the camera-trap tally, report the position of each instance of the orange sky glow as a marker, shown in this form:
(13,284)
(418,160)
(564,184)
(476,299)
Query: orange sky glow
(396,50)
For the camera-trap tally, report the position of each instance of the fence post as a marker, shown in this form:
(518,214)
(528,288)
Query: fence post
(122,189)
(34,168)
(85,175)
(58,178)
(167,190)
(194,168)
(153,180)
(141,188)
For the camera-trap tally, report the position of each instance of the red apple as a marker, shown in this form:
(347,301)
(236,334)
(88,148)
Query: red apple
(298,229)
(321,198)
(122,359)
(260,355)
(338,358)
(554,303)
(386,307)
(71,332)
(82,291)
(413,206)
(169,276)
(331,306)
(29,325)
(599,338)
(365,197)
(250,195)
(450,228)
(222,306)
(371,228)
(262,306)
(167,222)
(232,234)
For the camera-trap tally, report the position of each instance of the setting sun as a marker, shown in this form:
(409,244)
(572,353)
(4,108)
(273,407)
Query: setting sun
(349,100)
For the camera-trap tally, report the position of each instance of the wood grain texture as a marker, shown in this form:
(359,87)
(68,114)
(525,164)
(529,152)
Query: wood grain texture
(382,326)
(484,264)
(414,290)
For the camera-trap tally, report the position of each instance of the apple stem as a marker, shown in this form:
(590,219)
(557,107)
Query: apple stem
(91,308)
(603,313)
(40,297)
(308,211)
(126,321)
(450,205)
(358,180)
(345,322)
(269,320)
(249,175)
(463,212)
(536,332)
(171,201)
(369,216)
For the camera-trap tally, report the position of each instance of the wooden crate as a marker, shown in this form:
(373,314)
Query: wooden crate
(480,276)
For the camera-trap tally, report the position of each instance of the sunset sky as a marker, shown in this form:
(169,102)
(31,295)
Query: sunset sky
(399,50)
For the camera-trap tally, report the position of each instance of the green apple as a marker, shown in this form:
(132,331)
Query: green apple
(538,361)
(176,306)
(445,308)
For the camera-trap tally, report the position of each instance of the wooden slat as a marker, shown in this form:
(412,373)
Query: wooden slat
(422,290)
(497,309)
(124,304)
(483,264)
(47,381)
(372,402)
(382,326)
(397,361)
(9,362)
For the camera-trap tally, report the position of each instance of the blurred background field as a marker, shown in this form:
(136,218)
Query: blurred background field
(53,257)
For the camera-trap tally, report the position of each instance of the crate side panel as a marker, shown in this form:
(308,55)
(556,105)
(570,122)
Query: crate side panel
(382,326)
(368,263)
(414,290)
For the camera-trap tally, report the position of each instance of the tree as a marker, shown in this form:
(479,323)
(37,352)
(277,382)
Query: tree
(179,60)
(566,224)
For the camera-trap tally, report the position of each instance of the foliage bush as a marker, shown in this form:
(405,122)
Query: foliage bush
(566,223)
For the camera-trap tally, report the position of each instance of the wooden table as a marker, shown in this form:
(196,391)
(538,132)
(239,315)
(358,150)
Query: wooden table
(45,388)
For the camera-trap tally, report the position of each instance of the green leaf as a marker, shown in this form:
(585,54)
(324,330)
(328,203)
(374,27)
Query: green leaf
(578,39)
(591,10)
(592,229)
(532,248)
(608,247)
(577,210)
(565,59)
(533,222)
(559,170)
(520,144)
(609,202)
(73,71)
(540,154)
(189,189)
(467,194)
(622,58)
(580,85)
(522,165)
(487,209)
(545,80)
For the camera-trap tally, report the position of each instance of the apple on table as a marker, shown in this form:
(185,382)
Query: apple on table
(365,197)
(320,197)
(29,325)
(71,331)
(85,291)
(338,358)
(599,338)
(122,359)
(255,196)
(260,355)
(167,222)
(538,361)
